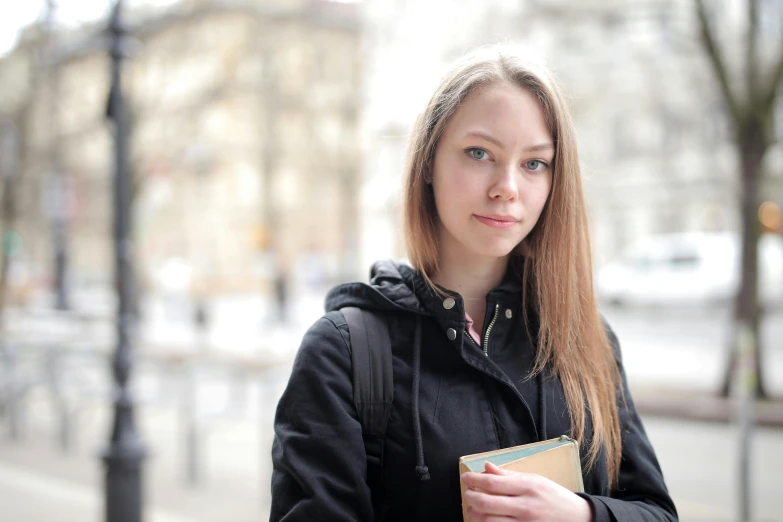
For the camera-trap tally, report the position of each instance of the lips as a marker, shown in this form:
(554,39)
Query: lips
(496,221)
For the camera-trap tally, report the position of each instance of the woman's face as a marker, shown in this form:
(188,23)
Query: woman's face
(492,172)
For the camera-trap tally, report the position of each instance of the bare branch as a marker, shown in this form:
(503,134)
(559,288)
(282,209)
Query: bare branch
(716,61)
(775,81)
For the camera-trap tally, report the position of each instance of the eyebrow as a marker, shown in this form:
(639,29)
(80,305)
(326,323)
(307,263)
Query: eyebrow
(492,139)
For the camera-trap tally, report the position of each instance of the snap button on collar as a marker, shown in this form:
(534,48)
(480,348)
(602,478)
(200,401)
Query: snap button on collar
(451,333)
(448,303)
(509,313)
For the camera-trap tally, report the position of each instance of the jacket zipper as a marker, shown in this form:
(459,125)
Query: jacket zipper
(485,347)
(489,329)
(486,352)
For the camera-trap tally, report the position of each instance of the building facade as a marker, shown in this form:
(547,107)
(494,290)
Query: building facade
(244,141)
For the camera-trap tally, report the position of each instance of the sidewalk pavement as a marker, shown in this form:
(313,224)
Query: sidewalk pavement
(41,483)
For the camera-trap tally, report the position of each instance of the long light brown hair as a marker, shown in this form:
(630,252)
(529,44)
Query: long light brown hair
(557,267)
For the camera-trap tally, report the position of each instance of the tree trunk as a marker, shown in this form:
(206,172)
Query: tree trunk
(752,146)
(7,226)
(15,158)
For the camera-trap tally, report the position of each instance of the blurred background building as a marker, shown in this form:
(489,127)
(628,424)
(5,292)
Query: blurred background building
(268,139)
(245,156)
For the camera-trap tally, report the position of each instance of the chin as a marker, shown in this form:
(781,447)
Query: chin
(496,249)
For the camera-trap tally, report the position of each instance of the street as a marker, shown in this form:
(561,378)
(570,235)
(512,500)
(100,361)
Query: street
(686,348)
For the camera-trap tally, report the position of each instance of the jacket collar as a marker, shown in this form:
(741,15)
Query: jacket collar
(448,307)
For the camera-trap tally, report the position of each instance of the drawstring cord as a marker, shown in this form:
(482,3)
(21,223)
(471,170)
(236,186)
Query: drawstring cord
(421,468)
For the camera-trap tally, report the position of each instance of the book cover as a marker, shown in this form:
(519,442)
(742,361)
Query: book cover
(556,459)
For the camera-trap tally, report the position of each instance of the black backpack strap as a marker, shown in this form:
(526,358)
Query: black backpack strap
(373,386)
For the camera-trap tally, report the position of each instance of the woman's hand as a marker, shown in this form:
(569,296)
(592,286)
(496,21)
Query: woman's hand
(501,495)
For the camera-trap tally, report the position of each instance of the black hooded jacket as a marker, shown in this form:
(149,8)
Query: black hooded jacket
(464,402)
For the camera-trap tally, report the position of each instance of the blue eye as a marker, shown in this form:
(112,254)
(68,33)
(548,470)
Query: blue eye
(535,165)
(477,154)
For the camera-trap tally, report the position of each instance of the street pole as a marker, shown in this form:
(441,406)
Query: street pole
(126,452)
(746,375)
(57,181)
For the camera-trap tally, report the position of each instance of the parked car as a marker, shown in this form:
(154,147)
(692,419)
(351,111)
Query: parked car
(689,269)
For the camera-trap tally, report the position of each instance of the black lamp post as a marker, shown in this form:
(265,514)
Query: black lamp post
(126,451)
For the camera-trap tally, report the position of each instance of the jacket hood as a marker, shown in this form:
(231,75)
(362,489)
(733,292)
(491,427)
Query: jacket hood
(392,287)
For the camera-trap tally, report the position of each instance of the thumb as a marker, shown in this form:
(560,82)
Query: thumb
(494,470)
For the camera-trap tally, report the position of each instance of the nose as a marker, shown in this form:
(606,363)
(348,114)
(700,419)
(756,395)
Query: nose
(505,185)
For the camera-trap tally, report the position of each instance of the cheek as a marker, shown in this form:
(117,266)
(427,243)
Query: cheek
(539,196)
(448,202)
(454,185)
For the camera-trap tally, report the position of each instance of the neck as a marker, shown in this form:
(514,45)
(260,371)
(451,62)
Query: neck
(472,276)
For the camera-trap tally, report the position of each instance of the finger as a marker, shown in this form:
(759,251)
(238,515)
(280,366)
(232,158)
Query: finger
(512,484)
(478,517)
(485,504)
(474,516)
(495,470)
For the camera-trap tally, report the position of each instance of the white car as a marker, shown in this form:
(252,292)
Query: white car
(690,269)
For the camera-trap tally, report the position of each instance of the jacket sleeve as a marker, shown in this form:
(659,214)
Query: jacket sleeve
(318,456)
(641,493)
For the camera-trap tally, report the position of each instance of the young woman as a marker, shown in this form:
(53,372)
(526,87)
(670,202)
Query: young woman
(495,334)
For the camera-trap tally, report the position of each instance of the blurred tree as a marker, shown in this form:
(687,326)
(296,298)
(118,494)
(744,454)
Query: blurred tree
(16,158)
(749,99)
(8,207)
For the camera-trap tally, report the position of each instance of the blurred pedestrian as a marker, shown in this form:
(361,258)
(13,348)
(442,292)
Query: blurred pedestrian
(495,335)
(282,291)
